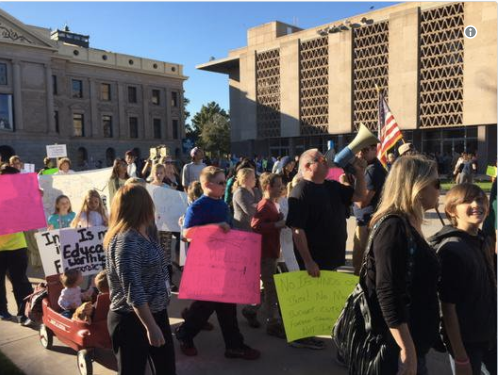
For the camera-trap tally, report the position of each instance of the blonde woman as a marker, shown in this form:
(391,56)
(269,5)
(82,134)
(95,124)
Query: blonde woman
(401,275)
(139,286)
(64,165)
(245,199)
(92,212)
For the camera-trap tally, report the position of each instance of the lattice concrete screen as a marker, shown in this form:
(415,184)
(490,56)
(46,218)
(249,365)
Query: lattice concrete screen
(268,93)
(314,86)
(370,67)
(441,66)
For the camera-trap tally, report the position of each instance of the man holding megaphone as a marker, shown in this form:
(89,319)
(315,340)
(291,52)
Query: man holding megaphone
(317,213)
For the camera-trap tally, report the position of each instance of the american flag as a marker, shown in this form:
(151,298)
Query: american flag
(389,133)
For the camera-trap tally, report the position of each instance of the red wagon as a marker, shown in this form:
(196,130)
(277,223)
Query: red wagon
(80,336)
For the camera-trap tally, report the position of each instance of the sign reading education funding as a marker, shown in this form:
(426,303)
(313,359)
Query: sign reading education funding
(222,267)
(311,305)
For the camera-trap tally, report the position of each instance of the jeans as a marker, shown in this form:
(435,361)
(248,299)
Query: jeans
(131,345)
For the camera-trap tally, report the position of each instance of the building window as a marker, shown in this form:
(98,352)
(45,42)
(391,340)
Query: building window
(174,99)
(132,94)
(107,126)
(77,88)
(157,128)
(156,97)
(105,92)
(133,127)
(3,74)
(56,120)
(78,125)
(110,155)
(54,85)
(175,129)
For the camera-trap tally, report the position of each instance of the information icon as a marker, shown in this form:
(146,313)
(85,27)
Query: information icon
(470,32)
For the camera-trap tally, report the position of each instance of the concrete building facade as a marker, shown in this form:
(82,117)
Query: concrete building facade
(293,89)
(54,88)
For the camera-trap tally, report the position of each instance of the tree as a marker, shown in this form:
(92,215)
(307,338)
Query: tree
(206,114)
(215,135)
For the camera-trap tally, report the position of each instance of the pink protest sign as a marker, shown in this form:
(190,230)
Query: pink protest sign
(222,267)
(21,204)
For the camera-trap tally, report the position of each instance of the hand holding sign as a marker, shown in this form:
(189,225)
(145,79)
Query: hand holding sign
(311,305)
(222,267)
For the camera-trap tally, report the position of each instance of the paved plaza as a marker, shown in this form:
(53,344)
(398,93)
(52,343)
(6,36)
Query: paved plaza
(22,346)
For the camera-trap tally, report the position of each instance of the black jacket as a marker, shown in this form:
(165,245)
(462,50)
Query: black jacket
(467,280)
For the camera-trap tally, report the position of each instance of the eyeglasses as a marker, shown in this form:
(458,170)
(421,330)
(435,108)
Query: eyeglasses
(221,183)
(320,159)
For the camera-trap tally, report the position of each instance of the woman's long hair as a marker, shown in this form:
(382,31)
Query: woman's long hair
(132,207)
(242,176)
(84,208)
(115,169)
(408,176)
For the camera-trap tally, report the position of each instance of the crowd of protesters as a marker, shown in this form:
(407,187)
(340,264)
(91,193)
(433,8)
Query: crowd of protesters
(455,268)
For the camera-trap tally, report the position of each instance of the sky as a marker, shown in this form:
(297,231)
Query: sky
(187,33)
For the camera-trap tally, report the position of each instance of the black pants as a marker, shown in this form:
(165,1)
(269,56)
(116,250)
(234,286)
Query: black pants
(131,345)
(16,263)
(199,313)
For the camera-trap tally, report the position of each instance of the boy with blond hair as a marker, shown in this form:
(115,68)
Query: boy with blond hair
(211,209)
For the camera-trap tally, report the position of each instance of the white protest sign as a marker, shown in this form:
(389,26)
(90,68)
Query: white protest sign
(49,246)
(56,151)
(83,248)
(170,205)
(75,186)
(286,243)
(28,168)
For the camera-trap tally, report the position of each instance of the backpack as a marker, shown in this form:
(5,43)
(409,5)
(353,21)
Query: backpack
(33,303)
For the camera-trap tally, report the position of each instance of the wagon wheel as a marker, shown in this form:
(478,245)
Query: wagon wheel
(85,359)
(46,337)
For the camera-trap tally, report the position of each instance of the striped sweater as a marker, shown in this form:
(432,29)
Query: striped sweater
(137,273)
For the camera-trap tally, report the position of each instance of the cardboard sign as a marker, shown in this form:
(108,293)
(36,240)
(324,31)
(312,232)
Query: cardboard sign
(20,203)
(56,151)
(311,305)
(28,168)
(170,204)
(153,153)
(49,245)
(286,242)
(83,248)
(163,151)
(222,267)
(75,186)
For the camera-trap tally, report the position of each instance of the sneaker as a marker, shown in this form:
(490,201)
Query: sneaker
(275,329)
(308,343)
(25,321)
(5,315)
(206,327)
(252,318)
(186,346)
(174,288)
(244,352)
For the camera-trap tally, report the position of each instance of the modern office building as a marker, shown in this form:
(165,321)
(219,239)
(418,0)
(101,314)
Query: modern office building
(55,88)
(293,89)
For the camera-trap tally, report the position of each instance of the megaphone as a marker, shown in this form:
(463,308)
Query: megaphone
(363,139)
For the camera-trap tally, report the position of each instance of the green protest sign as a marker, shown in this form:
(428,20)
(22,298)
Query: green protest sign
(491,171)
(311,305)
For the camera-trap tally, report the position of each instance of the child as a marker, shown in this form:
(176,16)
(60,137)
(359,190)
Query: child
(63,215)
(211,209)
(467,287)
(158,174)
(101,282)
(92,212)
(85,311)
(268,221)
(71,296)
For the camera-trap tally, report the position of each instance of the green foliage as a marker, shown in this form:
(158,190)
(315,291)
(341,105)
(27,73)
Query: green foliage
(215,135)
(211,129)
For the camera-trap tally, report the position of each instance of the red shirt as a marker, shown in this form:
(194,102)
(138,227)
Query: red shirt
(263,222)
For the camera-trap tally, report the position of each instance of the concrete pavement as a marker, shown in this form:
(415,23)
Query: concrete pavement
(22,346)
